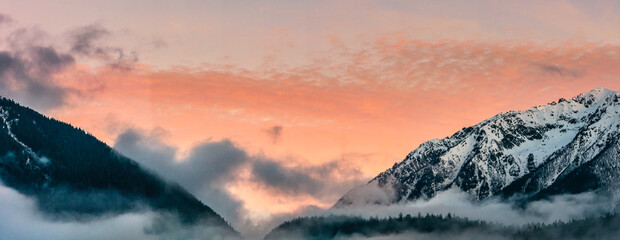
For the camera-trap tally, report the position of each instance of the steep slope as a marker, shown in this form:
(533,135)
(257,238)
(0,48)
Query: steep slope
(565,146)
(72,175)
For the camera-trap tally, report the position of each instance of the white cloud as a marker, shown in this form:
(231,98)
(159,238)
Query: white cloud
(20,220)
(561,207)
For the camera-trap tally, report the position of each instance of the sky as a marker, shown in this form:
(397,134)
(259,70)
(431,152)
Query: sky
(269,109)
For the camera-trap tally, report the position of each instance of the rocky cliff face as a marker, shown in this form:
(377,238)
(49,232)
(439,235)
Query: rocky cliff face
(567,146)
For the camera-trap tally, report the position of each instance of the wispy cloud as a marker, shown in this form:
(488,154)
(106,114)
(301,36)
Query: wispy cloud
(274,133)
(27,73)
(31,64)
(89,41)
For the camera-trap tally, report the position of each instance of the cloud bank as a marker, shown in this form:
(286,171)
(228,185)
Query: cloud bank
(458,203)
(24,222)
(211,167)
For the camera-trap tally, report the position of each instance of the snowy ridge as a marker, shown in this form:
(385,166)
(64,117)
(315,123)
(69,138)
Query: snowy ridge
(514,152)
(5,116)
(39,161)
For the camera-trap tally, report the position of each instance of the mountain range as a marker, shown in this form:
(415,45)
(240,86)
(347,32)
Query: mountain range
(567,146)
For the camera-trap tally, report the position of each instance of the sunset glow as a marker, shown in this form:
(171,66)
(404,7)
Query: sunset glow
(328,90)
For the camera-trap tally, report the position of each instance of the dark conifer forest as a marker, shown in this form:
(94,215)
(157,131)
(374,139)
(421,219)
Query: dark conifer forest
(441,227)
(72,175)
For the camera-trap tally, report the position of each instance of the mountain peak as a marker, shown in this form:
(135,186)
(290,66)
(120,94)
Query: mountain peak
(594,95)
(545,149)
(600,90)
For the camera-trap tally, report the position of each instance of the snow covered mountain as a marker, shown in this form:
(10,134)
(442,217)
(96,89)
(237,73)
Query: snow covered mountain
(568,146)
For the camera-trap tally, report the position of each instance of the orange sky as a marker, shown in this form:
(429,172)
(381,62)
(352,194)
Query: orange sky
(375,108)
(361,83)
